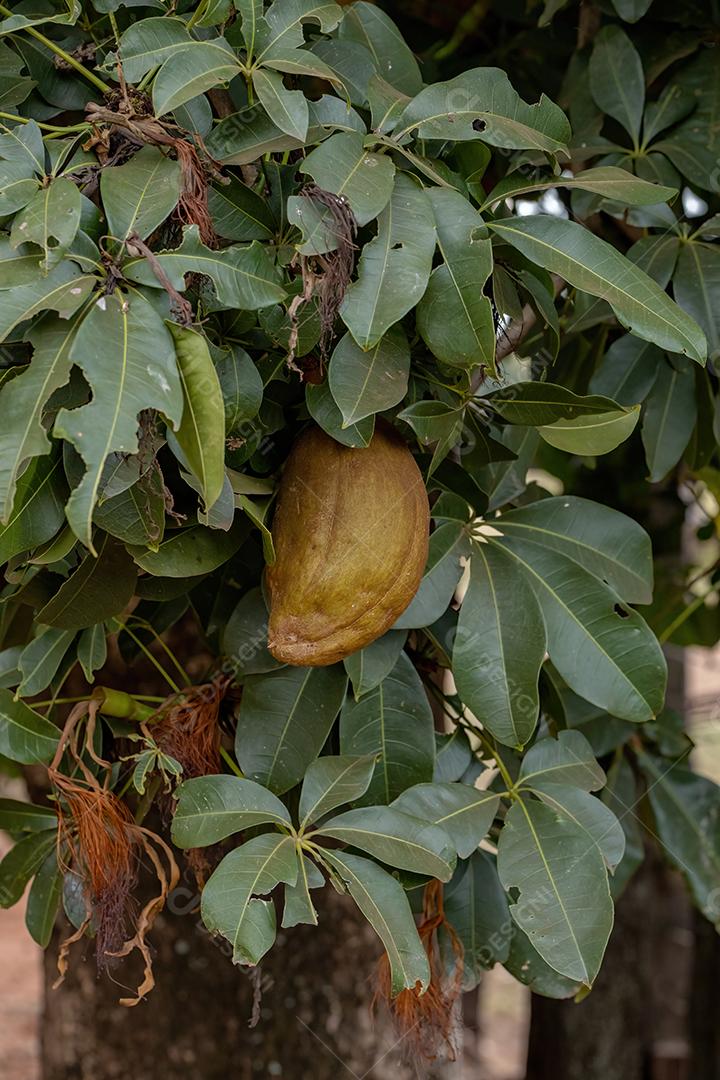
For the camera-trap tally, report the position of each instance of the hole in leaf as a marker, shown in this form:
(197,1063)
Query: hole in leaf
(621,611)
(396,247)
(479,125)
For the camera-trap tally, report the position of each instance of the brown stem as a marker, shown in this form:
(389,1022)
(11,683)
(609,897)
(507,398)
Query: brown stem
(179,303)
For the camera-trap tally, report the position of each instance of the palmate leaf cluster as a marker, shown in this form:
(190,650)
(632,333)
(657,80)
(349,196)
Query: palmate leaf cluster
(159,359)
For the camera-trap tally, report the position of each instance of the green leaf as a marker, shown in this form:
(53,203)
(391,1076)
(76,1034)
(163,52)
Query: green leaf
(229,900)
(54,86)
(394,721)
(505,479)
(40,660)
(454,318)
(591,815)
(136,515)
(288,109)
(394,267)
(454,756)
(303,62)
(56,549)
(244,277)
(627,371)
(37,511)
(251,17)
(147,43)
(386,104)
(23,144)
(586,425)
(352,63)
(371,27)
(201,433)
(449,543)
(586,261)
(590,435)
(25,735)
(567,760)
(687,145)
(299,907)
(604,650)
(50,220)
(499,647)
(621,796)
(538,404)
(363,383)
(369,666)
(190,552)
(20,817)
(673,104)
(282,27)
(607,543)
(384,904)
(101,586)
(23,399)
(687,818)
(127,356)
(190,71)
(463,812)
(331,782)
(395,838)
(17,186)
(607,180)
(241,386)
(69,13)
(696,287)
(257,511)
(285,717)
(343,166)
(139,195)
(239,213)
(631,10)
(482,104)
(669,419)
(21,863)
(476,906)
(92,650)
(316,223)
(527,966)
(62,290)
(246,136)
(9,671)
(14,87)
(564,903)
(244,640)
(44,901)
(324,411)
(656,255)
(211,808)
(617,81)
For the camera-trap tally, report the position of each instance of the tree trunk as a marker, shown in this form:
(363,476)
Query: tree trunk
(703,1011)
(314,1017)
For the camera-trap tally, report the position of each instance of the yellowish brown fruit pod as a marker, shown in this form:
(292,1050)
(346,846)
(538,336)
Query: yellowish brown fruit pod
(351,538)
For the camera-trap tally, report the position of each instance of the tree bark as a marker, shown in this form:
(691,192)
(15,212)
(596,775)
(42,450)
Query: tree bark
(703,1012)
(314,1015)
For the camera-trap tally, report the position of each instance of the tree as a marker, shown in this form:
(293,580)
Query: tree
(268,221)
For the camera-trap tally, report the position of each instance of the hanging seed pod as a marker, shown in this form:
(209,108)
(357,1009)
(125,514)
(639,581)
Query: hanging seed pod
(351,538)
